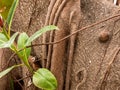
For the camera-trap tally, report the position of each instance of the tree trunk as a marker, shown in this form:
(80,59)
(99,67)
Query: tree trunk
(93,67)
(88,60)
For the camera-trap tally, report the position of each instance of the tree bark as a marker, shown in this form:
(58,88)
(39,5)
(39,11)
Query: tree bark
(91,68)
(85,61)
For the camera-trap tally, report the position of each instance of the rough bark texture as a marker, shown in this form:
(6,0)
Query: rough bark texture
(91,57)
(81,62)
(5,79)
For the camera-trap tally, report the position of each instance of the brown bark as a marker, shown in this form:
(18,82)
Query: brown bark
(2,63)
(92,57)
(81,63)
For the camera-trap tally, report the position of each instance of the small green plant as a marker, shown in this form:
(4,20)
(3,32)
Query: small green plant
(42,78)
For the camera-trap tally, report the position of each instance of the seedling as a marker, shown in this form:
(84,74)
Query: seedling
(42,78)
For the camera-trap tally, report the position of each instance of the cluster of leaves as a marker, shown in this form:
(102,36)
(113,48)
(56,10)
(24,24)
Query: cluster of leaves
(42,78)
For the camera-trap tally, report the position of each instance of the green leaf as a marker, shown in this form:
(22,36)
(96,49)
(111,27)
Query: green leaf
(22,39)
(3,73)
(4,7)
(41,31)
(3,38)
(44,79)
(11,12)
(24,54)
(4,43)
